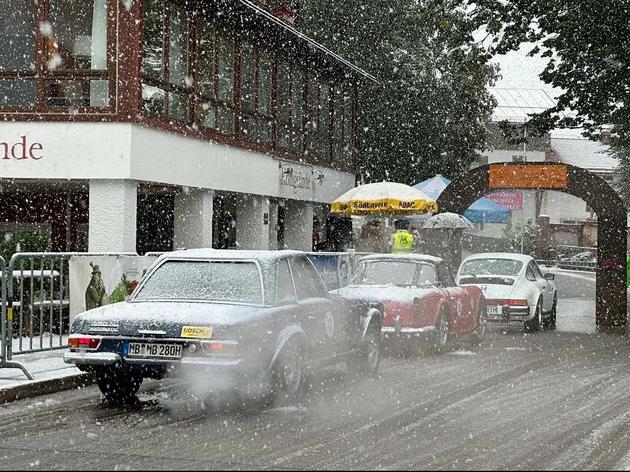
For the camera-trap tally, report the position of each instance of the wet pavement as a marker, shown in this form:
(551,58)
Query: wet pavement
(521,401)
(547,400)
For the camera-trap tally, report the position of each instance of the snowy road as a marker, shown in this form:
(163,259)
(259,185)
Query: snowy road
(548,400)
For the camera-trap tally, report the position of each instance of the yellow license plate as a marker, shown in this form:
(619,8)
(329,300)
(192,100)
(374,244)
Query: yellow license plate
(203,332)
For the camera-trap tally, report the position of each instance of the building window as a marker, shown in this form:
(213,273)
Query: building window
(255,80)
(290,98)
(343,119)
(60,61)
(215,78)
(318,119)
(166,81)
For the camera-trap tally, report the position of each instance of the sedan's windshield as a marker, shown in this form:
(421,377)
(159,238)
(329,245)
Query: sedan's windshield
(508,267)
(221,281)
(395,272)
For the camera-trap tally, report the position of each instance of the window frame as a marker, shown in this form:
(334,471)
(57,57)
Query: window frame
(200,98)
(255,113)
(164,82)
(290,271)
(294,129)
(320,283)
(42,76)
(530,270)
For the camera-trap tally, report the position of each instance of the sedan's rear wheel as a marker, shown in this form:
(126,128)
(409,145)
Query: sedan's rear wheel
(288,373)
(118,386)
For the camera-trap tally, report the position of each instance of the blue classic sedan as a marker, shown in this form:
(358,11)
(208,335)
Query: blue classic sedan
(253,322)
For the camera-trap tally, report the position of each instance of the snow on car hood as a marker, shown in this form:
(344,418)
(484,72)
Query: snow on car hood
(378,293)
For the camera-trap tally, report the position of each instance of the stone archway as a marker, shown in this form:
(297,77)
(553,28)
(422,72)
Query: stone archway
(611,309)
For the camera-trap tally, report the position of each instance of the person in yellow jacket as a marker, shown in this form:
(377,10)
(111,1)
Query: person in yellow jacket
(402,241)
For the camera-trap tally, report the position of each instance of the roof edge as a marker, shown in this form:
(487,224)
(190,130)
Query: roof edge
(267,15)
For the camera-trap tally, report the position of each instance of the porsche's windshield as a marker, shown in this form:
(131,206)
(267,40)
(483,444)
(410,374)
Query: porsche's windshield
(508,267)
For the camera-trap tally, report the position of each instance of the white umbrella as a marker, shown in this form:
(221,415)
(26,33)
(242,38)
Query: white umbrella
(385,199)
(448,221)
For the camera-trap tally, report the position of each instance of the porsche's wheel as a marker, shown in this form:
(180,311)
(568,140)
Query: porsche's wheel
(441,335)
(118,386)
(550,321)
(288,373)
(534,324)
(479,332)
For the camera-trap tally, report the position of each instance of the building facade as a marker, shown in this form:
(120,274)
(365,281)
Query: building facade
(156,124)
(573,222)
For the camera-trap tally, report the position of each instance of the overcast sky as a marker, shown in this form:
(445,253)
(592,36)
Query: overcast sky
(521,72)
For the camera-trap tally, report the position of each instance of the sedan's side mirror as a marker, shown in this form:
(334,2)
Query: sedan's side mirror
(549,276)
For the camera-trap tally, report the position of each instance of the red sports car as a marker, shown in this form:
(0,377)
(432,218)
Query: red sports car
(419,298)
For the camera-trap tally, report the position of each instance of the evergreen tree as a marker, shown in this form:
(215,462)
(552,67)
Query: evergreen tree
(587,43)
(428,114)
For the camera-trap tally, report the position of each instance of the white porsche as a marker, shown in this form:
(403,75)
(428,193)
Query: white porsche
(514,287)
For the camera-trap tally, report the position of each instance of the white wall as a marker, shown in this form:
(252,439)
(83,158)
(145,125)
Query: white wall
(562,206)
(124,151)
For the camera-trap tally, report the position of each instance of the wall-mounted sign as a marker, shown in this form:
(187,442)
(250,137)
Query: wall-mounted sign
(509,200)
(523,176)
(21,150)
(293,177)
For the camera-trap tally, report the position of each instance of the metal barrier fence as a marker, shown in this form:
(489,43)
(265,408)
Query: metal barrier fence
(3,313)
(36,303)
(576,257)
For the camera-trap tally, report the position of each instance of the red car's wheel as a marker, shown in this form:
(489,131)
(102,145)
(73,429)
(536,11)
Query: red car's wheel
(441,335)
(479,332)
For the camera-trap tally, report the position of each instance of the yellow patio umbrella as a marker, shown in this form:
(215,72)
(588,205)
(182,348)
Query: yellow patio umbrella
(384,199)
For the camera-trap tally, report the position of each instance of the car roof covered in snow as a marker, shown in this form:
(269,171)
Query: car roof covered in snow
(229,254)
(402,257)
(501,255)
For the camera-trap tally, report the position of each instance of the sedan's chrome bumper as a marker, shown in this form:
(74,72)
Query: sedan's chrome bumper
(91,358)
(111,358)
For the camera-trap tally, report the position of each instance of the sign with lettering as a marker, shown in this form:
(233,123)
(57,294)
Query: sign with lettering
(21,150)
(523,176)
(296,178)
(509,200)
